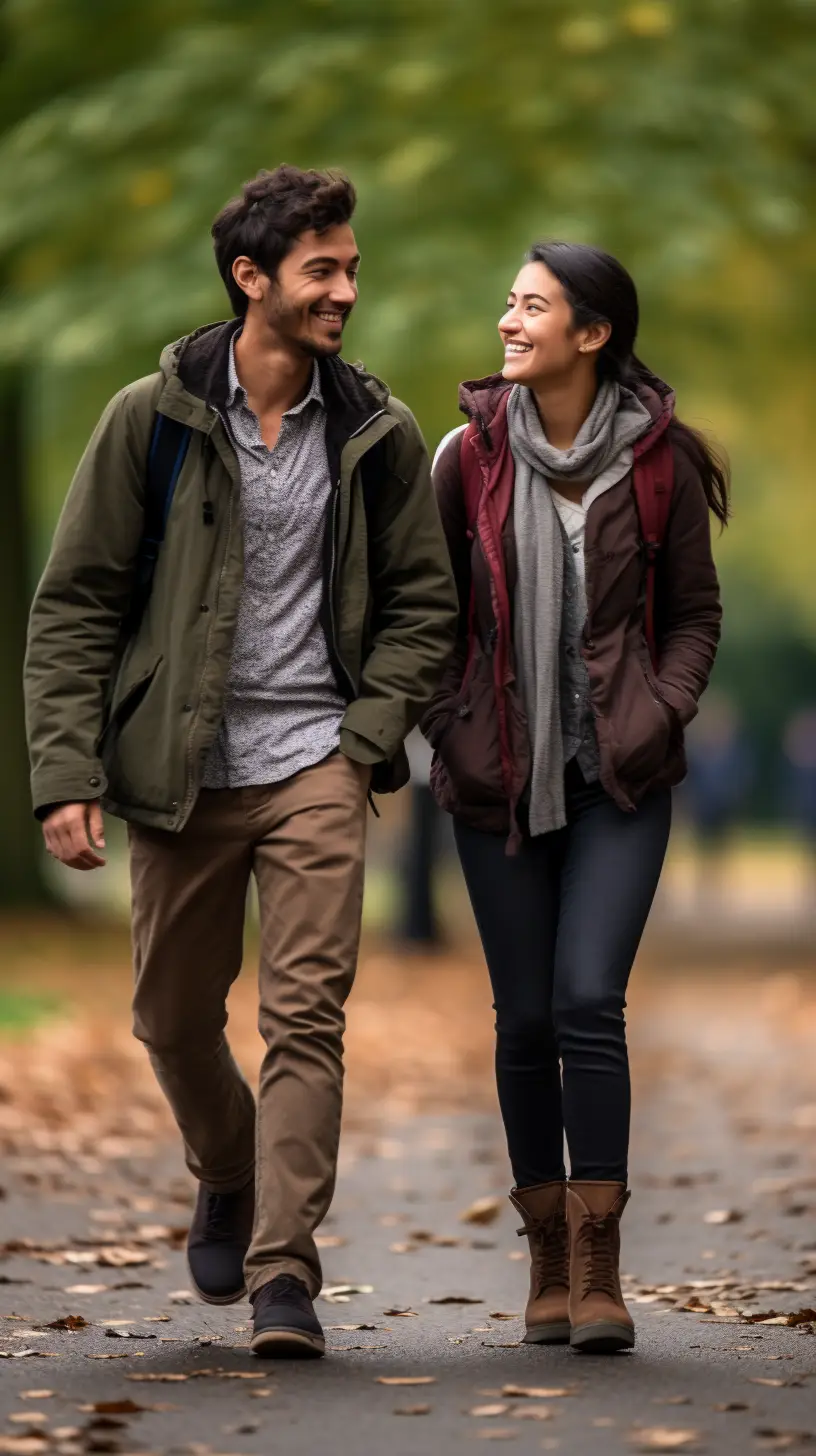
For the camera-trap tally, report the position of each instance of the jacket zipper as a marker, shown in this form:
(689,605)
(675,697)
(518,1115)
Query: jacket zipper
(345,674)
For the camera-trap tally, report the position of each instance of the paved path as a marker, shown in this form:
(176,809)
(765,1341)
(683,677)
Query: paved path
(726,1113)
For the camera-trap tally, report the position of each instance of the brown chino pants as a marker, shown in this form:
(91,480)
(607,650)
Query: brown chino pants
(304,840)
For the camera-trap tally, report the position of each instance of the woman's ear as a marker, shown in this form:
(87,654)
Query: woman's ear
(594,336)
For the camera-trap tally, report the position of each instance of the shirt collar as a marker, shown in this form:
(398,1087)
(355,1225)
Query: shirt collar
(237,393)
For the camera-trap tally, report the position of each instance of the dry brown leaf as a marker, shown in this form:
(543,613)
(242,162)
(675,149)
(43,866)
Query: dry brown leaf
(110,1357)
(489,1410)
(405,1380)
(499,1314)
(86,1289)
(28,1418)
(497,1433)
(69,1322)
(165,1376)
(400,1313)
(720,1216)
(665,1438)
(538,1392)
(483,1211)
(455,1299)
(125,1407)
(23,1445)
(36,1394)
(412,1410)
(731,1405)
(351,1328)
(181,1296)
(533,1413)
(776,1440)
(672,1400)
(772,1380)
(330,1241)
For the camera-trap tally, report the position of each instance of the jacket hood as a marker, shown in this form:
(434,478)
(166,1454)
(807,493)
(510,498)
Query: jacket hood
(482,399)
(198,361)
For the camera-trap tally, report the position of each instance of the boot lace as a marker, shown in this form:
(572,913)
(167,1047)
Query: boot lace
(599,1239)
(219,1223)
(549,1250)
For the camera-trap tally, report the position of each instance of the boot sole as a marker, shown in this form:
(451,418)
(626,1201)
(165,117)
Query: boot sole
(557,1332)
(285,1344)
(602,1337)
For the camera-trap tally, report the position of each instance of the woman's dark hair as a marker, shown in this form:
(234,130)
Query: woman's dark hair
(600,290)
(272,211)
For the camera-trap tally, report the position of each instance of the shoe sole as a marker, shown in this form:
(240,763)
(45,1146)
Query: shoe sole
(235,1298)
(557,1332)
(603,1337)
(287,1345)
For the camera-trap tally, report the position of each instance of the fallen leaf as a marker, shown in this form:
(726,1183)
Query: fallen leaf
(28,1418)
(351,1328)
(672,1400)
(405,1380)
(23,1445)
(164,1376)
(665,1438)
(497,1433)
(776,1440)
(483,1211)
(499,1315)
(719,1216)
(86,1289)
(125,1407)
(341,1293)
(69,1322)
(767,1380)
(538,1392)
(489,1410)
(106,1357)
(731,1405)
(533,1413)
(400,1313)
(161,1319)
(455,1299)
(36,1394)
(412,1410)
(330,1241)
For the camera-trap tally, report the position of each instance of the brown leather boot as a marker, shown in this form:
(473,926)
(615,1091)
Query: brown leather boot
(599,1318)
(544,1211)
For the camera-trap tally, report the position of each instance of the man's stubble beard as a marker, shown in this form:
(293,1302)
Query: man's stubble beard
(284,322)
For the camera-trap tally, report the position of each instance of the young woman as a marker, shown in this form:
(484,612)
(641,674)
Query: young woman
(558,733)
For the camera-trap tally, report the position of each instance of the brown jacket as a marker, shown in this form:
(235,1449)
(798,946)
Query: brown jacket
(476,722)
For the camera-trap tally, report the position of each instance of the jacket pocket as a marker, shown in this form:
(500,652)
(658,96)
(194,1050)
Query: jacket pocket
(645,726)
(468,743)
(128,696)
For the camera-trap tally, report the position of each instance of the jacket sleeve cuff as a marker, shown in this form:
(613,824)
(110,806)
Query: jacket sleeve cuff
(50,787)
(359,749)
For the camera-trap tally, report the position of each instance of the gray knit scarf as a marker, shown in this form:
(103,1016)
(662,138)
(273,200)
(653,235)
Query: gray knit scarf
(616,420)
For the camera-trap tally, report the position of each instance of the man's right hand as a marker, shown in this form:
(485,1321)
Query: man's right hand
(73,834)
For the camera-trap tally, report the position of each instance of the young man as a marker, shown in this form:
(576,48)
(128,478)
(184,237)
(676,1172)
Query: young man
(237,710)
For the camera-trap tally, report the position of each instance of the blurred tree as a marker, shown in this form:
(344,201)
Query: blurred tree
(677,133)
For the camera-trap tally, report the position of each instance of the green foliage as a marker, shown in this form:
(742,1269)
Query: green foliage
(677,133)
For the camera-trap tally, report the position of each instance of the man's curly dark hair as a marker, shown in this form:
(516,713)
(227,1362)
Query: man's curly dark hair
(271,212)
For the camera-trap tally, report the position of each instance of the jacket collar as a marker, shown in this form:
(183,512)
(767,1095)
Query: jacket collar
(484,402)
(198,367)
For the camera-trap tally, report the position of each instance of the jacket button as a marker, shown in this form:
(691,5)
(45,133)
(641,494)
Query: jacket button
(590,642)
(203,607)
(94,782)
(188,708)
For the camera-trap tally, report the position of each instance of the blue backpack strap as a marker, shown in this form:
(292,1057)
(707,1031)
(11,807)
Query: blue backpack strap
(169,443)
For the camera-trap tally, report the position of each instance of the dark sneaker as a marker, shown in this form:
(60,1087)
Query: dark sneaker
(284,1323)
(217,1243)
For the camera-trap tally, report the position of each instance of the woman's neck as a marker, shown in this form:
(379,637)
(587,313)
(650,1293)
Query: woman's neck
(563,406)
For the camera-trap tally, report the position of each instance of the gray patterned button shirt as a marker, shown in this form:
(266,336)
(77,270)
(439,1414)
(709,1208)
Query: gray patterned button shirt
(282,708)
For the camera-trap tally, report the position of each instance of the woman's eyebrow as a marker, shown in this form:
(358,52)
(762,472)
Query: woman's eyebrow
(539,296)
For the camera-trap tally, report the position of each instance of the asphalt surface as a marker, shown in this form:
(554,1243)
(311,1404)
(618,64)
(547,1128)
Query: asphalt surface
(694,1381)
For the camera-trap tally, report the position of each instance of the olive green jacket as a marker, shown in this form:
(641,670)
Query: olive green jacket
(129,719)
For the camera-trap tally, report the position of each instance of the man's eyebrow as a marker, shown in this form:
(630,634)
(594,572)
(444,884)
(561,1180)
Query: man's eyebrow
(333,262)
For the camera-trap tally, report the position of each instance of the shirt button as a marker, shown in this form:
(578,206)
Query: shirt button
(576,549)
(577,697)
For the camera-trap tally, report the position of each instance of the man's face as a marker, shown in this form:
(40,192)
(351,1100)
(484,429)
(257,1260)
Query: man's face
(307,305)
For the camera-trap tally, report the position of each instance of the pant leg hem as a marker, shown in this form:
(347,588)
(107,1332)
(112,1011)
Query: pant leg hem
(284,1266)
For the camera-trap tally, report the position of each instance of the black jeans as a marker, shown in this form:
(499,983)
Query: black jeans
(560,924)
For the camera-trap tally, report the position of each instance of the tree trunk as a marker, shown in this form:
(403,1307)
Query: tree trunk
(22,882)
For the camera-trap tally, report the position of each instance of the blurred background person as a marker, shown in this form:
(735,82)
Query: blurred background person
(799,778)
(715,793)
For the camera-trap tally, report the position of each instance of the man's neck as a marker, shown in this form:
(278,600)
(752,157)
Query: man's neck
(274,377)
(563,406)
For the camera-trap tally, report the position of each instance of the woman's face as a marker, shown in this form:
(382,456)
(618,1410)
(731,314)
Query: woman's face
(538,333)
